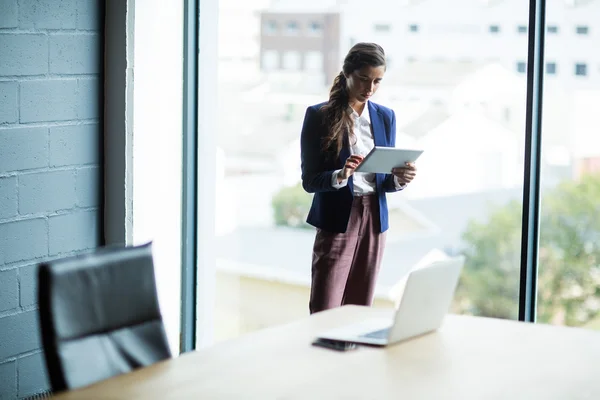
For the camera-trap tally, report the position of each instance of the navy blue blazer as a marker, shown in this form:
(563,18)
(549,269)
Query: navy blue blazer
(331,207)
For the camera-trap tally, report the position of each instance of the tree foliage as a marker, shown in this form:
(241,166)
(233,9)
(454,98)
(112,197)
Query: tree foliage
(569,258)
(290,206)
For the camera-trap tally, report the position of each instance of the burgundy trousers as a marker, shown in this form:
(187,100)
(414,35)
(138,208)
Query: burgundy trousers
(345,265)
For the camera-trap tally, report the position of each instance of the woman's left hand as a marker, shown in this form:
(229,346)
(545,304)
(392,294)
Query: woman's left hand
(405,174)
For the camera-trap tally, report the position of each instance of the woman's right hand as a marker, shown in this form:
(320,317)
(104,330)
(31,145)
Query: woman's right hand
(351,163)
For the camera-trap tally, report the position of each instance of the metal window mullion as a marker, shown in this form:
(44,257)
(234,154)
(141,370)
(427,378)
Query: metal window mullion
(531,182)
(189,184)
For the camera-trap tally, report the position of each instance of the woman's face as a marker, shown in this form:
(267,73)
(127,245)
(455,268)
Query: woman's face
(364,82)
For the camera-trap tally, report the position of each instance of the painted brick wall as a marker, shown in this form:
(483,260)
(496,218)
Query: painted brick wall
(51,61)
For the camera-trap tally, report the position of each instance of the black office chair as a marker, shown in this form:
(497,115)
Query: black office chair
(99,316)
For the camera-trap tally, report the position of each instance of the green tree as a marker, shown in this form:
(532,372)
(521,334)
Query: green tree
(569,258)
(290,206)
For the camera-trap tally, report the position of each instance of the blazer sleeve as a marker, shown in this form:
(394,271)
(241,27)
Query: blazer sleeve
(388,184)
(314,176)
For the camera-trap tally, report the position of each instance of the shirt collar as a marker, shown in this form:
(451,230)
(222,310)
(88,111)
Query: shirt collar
(365,116)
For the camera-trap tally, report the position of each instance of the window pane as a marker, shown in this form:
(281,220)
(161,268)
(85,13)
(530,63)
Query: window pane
(454,94)
(291,60)
(315,28)
(313,61)
(270,60)
(580,69)
(270,27)
(291,28)
(569,257)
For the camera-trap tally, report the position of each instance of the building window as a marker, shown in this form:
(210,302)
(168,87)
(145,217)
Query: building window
(313,61)
(551,68)
(522,28)
(413,28)
(582,30)
(315,28)
(291,28)
(291,60)
(270,60)
(270,27)
(382,28)
(521,67)
(494,29)
(552,29)
(581,69)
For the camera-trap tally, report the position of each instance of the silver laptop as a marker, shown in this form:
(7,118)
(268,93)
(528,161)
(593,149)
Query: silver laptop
(425,301)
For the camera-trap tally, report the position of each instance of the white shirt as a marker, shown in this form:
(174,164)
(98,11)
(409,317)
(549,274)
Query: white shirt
(364,182)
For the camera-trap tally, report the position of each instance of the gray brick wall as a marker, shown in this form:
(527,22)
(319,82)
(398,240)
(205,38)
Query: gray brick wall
(51,61)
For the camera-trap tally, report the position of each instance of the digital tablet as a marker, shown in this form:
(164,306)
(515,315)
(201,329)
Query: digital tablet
(383,159)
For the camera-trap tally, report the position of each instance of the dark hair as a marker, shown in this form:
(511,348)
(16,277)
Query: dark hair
(337,118)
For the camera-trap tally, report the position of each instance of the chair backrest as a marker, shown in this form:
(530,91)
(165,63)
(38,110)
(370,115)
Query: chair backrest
(99,315)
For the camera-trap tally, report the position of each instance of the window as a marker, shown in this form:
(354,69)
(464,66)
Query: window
(266,224)
(382,28)
(552,29)
(270,60)
(568,284)
(581,69)
(494,29)
(551,68)
(270,27)
(315,28)
(291,28)
(313,61)
(291,60)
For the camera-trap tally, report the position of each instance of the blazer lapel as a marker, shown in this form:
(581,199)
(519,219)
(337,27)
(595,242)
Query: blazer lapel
(377,125)
(378,136)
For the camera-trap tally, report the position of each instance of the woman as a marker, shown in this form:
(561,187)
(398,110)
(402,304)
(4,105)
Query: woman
(349,209)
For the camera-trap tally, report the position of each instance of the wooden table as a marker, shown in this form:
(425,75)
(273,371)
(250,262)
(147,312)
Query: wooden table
(469,358)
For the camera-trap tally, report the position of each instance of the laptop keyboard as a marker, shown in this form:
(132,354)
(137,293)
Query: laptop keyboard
(380,334)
